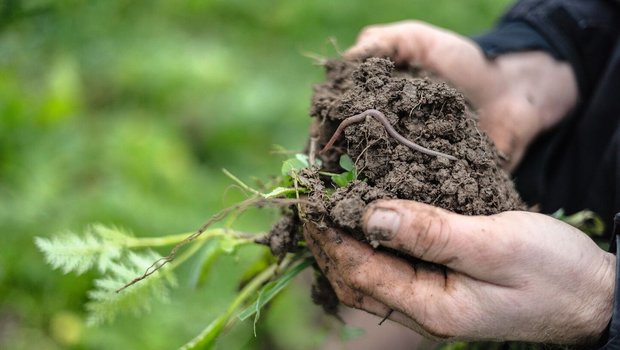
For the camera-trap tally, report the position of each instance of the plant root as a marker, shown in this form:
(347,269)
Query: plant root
(258,202)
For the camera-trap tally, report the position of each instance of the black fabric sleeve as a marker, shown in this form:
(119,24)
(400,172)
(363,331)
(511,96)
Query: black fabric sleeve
(581,32)
(516,35)
(611,339)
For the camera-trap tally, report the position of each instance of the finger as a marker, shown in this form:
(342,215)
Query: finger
(374,41)
(367,49)
(423,298)
(367,44)
(348,296)
(420,293)
(468,244)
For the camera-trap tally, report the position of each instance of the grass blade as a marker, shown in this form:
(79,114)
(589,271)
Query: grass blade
(271,289)
(208,337)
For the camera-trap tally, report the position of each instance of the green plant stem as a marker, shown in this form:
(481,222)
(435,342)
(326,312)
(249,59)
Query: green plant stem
(276,192)
(143,242)
(206,339)
(241,183)
(248,291)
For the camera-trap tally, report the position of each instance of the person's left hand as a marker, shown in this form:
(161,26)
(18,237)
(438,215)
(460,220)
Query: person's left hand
(511,276)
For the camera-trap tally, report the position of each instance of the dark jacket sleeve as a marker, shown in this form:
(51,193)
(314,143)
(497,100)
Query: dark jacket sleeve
(611,339)
(582,32)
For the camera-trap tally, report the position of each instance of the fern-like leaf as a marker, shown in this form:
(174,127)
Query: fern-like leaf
(106,303)
(97,247)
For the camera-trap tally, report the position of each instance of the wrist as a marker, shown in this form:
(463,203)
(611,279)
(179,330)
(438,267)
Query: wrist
(544,84)
(531,93)
(601,306)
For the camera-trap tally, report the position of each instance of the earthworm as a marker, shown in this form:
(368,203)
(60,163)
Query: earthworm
(380,117)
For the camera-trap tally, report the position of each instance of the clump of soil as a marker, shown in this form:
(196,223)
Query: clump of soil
(423,110)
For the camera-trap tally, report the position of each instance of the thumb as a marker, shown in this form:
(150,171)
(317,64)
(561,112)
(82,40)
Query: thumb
(462,243)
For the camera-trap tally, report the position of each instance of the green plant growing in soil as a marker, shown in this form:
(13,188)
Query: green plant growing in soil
(384,134)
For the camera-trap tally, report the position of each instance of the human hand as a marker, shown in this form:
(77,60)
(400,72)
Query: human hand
(512,276)
(518,95)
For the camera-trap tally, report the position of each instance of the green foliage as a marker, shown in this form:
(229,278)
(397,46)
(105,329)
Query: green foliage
(104,248)
(97,247)
(294,164)
(206,340)
(213,250)
(586,220)
(208,337)
(109,250)
(266,292)
(350,175)
(299,162)
(106,301)
(270,290)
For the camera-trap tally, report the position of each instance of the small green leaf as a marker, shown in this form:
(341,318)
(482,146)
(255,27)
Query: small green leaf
(346,163)
(300,161)
(342,180)
(303,159)
(559,214)
(292,164)
(585,220)
(206,339)
(97,247)
(350,175)
(105,302)
(271,289)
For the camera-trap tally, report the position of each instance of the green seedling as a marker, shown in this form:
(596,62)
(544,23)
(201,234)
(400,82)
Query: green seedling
(350,174)
(118,257)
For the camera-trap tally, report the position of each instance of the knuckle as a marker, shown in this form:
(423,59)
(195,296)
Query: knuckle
(356,273)
(347,296)
(431,229)
(437,323)
(356,279)
(439,330)
(344,298)
(367,32)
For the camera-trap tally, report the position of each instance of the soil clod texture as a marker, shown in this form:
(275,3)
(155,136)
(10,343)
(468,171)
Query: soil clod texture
(425,111)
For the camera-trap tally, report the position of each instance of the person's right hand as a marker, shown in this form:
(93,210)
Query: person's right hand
(517,95)
(513,276)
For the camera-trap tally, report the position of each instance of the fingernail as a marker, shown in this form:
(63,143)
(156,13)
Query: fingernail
(382,224)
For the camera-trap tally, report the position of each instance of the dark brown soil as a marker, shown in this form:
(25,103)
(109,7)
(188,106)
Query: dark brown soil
(422,109)
(425,111)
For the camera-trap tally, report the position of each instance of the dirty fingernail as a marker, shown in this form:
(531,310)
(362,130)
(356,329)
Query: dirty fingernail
(382,224)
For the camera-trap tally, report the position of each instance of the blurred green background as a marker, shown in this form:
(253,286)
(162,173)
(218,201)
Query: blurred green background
(124,112)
